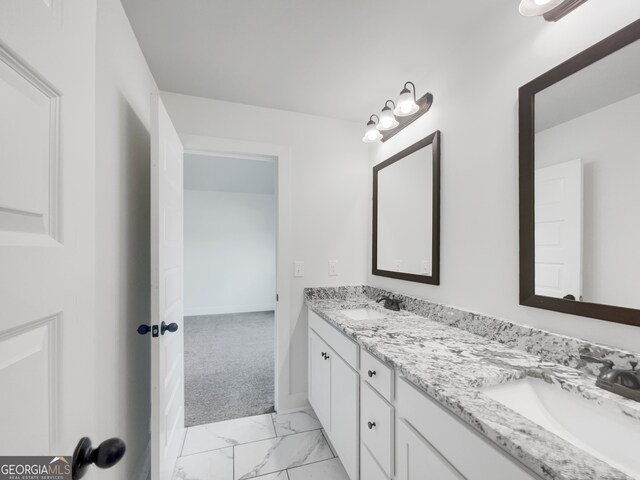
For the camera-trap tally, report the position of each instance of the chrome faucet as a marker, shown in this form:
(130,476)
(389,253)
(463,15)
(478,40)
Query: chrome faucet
(617,380)
(390,303)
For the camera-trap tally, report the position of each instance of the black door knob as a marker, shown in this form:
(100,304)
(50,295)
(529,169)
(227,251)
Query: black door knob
(371,373)
(144,329)
(371,425)
(172,327)
(106,455)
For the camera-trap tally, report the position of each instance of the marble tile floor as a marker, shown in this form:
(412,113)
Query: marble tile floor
(290,446)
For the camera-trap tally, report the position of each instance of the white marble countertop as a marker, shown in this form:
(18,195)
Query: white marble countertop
(450,364)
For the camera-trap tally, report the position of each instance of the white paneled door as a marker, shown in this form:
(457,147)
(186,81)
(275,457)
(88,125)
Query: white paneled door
(167,348)
(558,230)
(47,152)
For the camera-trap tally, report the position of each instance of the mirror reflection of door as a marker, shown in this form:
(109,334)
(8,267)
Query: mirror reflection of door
(558,235)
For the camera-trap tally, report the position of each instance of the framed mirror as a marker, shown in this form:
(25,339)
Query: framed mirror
(406,213)
(580,183)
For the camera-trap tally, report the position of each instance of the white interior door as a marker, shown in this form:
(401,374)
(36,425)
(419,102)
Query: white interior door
(47,160)
(558,230)
(167,349)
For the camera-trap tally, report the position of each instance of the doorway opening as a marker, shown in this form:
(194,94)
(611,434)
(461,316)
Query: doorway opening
(230,226)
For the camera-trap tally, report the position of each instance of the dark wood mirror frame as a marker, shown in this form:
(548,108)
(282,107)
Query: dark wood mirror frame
(434,278)
(600,50)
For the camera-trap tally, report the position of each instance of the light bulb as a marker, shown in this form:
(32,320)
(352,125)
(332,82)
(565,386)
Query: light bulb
(406,104)
(371,134)
(387,120)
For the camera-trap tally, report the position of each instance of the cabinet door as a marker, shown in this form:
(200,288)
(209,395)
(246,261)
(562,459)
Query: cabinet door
(320,379)
(344,413)
(369,469)
(418,460)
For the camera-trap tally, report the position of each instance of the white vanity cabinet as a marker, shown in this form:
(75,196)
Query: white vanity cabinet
(334,389)
(429,436)
(384,428)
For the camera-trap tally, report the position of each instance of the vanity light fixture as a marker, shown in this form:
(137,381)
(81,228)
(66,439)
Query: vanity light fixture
(551,10)
(407,104)
(405,111)
(387,119)
(372,134)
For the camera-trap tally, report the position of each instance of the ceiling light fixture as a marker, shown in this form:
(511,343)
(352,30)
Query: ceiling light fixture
(551,10)
(372,134)
(387,119)
(402,113)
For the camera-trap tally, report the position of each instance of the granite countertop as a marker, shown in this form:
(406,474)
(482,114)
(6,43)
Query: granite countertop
(450,365)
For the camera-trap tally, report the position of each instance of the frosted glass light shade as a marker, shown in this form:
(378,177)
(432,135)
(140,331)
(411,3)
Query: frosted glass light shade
(406,104)
(371,134)
(387,120)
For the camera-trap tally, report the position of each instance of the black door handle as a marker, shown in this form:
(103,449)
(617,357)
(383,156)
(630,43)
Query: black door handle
(371,373)
(144,329)
(371,425)
(106,455)
(171,328)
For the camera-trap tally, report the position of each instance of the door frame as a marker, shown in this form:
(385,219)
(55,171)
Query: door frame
(195,144)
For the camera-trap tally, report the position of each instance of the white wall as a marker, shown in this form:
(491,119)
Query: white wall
(330,196)
(607,142)
(229,252)
(123,87)
(476,108)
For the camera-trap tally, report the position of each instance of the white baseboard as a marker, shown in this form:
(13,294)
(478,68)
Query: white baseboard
(293,403)
(217,310)
(143,467)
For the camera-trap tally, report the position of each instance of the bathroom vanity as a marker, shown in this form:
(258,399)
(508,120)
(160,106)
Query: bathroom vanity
(408,395)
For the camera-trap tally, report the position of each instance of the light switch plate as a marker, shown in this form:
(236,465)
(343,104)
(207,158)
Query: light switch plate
(298,269)
(333,268)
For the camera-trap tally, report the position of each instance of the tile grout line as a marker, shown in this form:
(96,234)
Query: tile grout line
(326,439)
(302,465)
(261,440)
(273,422)
(184,440)
(310,463)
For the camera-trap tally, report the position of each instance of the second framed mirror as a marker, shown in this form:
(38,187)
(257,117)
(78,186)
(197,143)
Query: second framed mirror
(406,213)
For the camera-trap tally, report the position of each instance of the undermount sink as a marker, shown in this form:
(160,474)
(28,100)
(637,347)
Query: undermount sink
(608,435)
(363,314)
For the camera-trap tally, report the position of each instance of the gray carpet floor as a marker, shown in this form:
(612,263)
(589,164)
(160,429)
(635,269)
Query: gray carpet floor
(228,366)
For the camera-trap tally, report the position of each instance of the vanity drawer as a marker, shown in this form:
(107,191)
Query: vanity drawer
(337,340)
(377,374)
(475,457)
(377,427)
(369,469)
